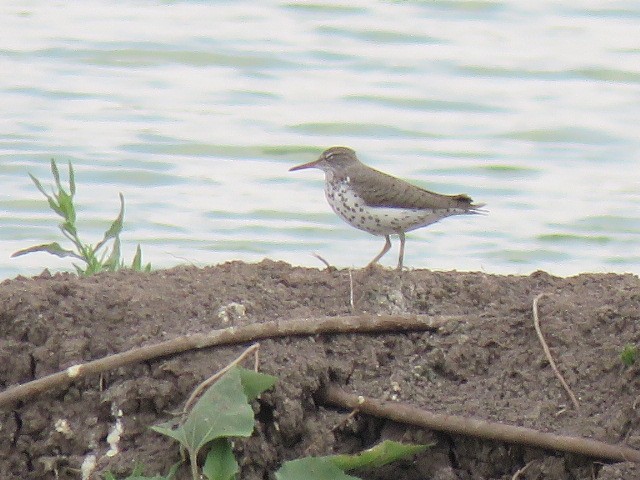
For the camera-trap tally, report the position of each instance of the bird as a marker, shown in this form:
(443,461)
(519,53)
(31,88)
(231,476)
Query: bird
(381,204)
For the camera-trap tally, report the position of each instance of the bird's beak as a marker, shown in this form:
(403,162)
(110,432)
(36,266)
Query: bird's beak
(313,164)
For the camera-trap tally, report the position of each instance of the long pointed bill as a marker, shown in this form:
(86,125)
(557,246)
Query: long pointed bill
(313,164)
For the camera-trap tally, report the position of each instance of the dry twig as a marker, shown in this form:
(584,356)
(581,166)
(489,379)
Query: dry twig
(327,264)
(520,471)
(226,336)
(547,352)
(403,413)
(198,390)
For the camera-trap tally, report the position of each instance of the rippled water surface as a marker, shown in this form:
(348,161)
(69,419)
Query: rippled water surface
(196,110)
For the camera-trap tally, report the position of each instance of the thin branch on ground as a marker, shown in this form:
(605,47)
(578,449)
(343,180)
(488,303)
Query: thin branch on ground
(547,352)
(345,420)
(458,425)
(228,336)
(205,384)
(520,471)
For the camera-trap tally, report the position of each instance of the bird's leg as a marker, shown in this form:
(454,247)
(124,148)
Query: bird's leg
(385,249)
(401,257)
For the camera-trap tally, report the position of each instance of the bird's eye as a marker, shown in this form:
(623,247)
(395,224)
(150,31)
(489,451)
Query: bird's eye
(329,155)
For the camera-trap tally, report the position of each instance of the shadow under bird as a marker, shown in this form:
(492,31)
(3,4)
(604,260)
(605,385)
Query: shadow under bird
(379,203)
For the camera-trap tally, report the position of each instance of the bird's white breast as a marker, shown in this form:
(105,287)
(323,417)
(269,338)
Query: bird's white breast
(377,220)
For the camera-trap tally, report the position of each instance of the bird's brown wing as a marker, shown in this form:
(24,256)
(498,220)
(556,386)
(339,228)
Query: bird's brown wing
(378,189)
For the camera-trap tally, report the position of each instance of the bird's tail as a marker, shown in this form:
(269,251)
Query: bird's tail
(476,209)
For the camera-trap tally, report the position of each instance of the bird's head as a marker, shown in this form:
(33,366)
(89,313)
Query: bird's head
(333,159)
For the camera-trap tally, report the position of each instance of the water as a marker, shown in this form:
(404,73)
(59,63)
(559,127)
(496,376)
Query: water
(196,110)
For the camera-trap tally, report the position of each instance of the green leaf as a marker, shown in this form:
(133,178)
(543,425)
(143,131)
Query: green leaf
(629,354)
(377,456)
(52,202)
(112,263)
(220,463)
(333,466)
(52,248)
(65,202)
(40,187)
(80,271)
(254,383)
(136,265)
(116,226)
(311,468)
(56,174)
(222,411)
(72,180)
(69,231)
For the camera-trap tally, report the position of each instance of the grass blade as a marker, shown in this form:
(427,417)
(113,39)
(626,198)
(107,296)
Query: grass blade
(52,248)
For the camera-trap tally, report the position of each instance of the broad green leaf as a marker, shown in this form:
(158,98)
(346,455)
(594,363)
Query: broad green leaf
(318,468)
(221,463)
(52,248)
(254,383)
(222,411)
(311,468)
(381,454)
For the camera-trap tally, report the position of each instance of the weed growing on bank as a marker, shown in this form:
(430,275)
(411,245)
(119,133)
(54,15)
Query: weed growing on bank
(629,354)
(96,258)
(223,411)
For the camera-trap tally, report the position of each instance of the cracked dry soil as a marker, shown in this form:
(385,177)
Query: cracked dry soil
(489,365)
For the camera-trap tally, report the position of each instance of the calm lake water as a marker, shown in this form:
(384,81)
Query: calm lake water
(196,110)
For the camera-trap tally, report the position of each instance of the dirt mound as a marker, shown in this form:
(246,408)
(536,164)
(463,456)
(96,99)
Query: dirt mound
(489,365)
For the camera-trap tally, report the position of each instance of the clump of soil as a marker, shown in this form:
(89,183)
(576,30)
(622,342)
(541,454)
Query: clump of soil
(489,365)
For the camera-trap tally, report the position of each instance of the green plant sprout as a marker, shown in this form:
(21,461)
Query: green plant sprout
(333,467)
(629,354)
(97,258)
(223,411)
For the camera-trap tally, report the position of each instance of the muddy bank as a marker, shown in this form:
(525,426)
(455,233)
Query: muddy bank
(489,366)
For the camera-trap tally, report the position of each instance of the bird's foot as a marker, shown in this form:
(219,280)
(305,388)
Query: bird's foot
(372,267)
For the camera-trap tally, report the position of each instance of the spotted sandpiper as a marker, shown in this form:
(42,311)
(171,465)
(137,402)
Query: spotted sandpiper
(379,203)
